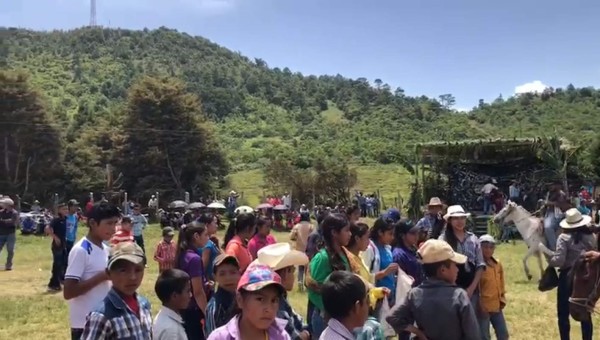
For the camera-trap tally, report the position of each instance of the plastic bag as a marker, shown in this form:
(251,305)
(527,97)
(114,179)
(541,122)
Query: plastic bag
(403,285)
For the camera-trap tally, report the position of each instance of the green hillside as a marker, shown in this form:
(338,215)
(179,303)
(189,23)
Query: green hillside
(256,113)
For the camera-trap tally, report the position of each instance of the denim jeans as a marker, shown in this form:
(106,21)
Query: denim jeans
(317,324)
(562,306)
(497,321)
(59,255)
(487,204)
(9,240)
(551,226)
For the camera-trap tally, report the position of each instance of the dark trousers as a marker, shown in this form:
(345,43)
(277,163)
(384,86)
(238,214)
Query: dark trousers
(562,304)
(76,333)
(69,245)
(192,322)
(140,242)
(59,255)
(309,311)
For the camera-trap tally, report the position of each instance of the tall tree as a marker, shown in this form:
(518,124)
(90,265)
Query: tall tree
(30,142)
(447,100)
(168,145)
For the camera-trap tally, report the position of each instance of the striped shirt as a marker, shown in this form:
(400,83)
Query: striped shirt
(121,236)
(165,255)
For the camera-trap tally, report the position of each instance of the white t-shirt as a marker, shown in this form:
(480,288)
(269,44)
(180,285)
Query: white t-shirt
(86,260)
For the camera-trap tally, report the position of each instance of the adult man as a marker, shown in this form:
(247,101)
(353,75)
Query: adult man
(72,222)
(232,202)
(514,192)
(432,223)
(35,207)
(486,191)
(9,219)
(287,200)
(557,203)
(57,229)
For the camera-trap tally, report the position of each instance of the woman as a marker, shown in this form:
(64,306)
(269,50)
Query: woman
(236,239)
(336,234)
(353,213)
(576,237)
(211,250)
(192,237)
(359,241)
(466,243)
(405,250)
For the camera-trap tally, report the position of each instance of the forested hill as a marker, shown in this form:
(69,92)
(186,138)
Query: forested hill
(260,111)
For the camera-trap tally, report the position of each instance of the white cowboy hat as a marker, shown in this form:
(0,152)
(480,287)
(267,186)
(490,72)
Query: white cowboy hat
(574,219)
(280,255)
(456,211)
(7,201)
(435,201)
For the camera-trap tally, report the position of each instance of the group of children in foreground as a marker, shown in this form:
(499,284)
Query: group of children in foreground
(250,303)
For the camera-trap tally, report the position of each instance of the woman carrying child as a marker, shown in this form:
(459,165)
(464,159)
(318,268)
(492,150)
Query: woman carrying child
(576,237)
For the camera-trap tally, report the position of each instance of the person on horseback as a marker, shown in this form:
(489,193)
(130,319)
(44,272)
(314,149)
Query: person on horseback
(556,204)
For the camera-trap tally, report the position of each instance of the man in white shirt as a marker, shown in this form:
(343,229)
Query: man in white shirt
(487,195)
(86,280)
(287,200)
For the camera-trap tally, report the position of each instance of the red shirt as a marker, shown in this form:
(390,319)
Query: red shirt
(132,303)
(165,255)
(121,236)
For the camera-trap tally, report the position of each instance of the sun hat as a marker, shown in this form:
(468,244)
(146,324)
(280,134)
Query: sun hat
(7,201)
(574,219)
(435,202)
(128,251)
(257,277)
(456,211)
(224,258)
(168,231)
(280,255)
(487,238)
(433,251)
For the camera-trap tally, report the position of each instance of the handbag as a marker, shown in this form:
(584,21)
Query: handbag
(549,280)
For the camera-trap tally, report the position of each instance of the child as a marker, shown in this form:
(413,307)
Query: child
(378,256)
(346,313)
(283,260)
(165,250)
(405,255)
(192,237)
(86,280)
(454,317)
(139,223)
(123,314)
(492,292)
(123,233)
(221,306)
(262,237)
(258,294)
(173,290)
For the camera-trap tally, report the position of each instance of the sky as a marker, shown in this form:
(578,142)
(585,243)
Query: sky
(473,49)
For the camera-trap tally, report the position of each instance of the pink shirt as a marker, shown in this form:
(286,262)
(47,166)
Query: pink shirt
(257,242)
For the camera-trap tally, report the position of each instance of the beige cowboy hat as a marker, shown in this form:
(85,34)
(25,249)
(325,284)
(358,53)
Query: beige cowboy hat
(280,255)
(574,219)
(456,211)
(435,202)
(433,251)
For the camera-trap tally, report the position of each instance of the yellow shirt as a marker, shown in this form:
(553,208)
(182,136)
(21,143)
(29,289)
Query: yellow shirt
(363,271)
(492,287)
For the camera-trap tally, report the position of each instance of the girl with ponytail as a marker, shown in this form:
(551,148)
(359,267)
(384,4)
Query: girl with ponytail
(336,235)
(236,239)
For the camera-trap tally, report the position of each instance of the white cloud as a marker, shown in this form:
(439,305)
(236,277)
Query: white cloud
(535,86)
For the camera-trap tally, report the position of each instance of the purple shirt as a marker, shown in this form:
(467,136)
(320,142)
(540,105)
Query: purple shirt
(191,263)
(231,331)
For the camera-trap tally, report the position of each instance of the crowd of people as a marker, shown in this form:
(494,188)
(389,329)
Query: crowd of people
(237,288)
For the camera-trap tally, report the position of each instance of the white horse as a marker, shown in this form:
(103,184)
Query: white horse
(530,228)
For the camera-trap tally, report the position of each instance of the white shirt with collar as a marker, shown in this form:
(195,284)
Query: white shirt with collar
(168,325)
(336,331)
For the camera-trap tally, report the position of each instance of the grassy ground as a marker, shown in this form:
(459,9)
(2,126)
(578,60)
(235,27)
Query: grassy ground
(28,312)
(392,182)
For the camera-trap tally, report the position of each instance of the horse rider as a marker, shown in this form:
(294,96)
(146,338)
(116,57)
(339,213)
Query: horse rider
(556,204)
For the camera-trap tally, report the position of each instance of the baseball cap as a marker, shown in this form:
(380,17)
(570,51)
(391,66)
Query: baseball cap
(257,277)
(128,251)
(168,231)
(392,214)
(72,203)
(224,258)
(433,251)
(487,238)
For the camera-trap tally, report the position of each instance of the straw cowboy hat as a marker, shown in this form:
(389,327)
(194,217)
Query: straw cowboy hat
(435,202)
(456,211)
(280,255)
(433,251)
(574,219)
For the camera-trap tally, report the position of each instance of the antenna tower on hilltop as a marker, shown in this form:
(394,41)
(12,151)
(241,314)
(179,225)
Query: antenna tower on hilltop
(92,13)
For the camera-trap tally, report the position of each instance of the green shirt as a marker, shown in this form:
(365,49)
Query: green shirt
(320,268)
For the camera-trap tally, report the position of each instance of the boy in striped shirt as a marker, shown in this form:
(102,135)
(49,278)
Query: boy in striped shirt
(123,233)
(165,250)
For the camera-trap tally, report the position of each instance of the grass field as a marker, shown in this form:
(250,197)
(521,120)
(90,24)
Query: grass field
(28,312)
(392,181)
